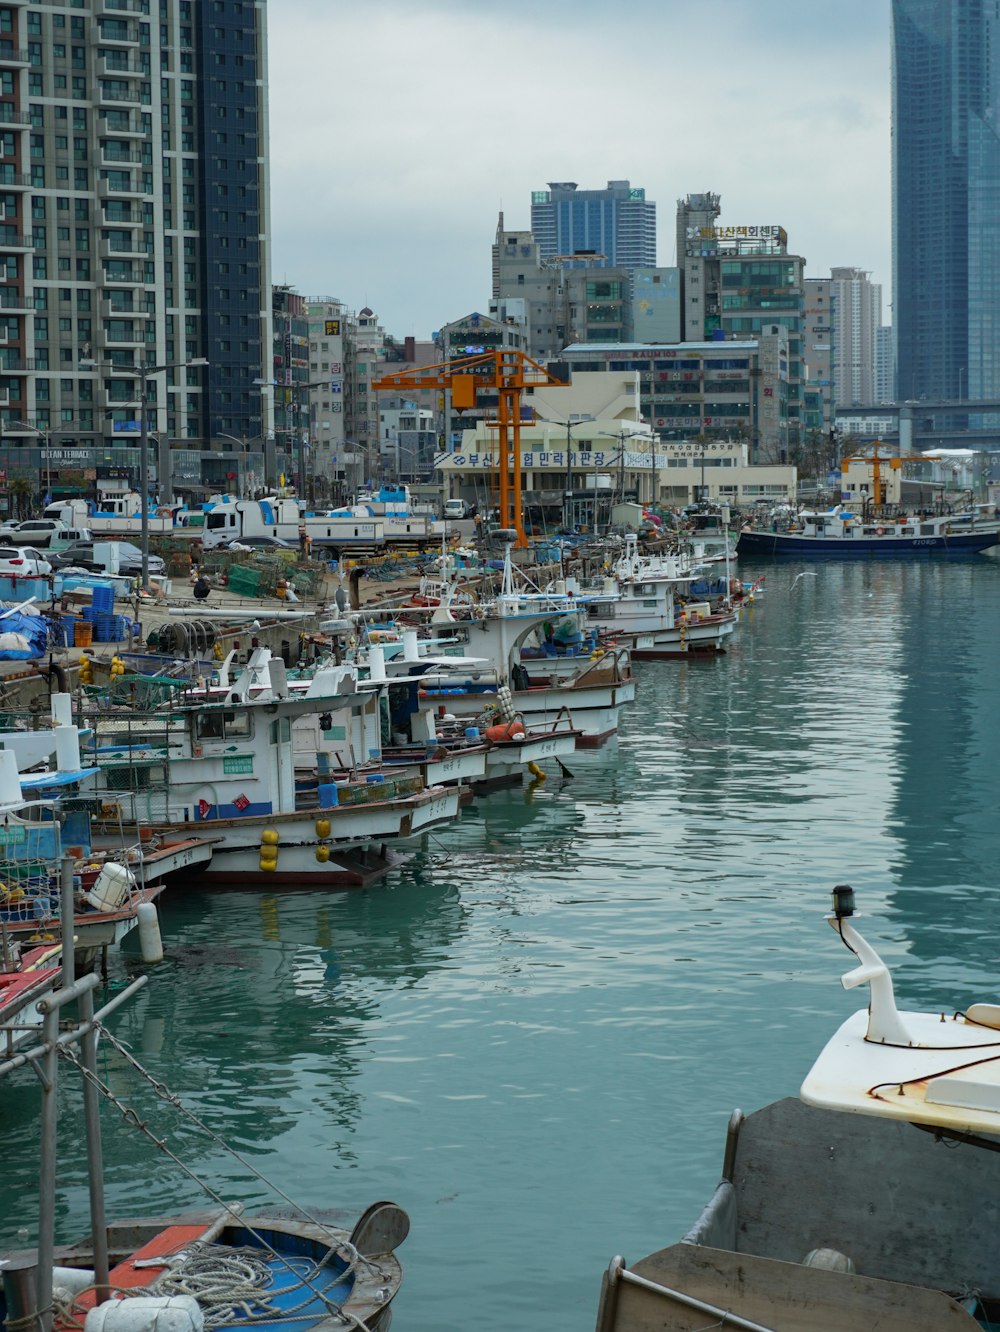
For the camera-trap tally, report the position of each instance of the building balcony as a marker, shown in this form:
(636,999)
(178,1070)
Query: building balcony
(131,249)
(13,364)
(126,277)
(12,118)
(115,33)
(113,189)
(15,182)
(134,343)
(114,9)
(127,127)
(111,64)
(15,302)
(11,242)
(114,154)
(117,96)
(112,310)
(10,55)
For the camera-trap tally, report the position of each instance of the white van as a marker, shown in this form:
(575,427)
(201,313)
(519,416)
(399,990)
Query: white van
(456,508)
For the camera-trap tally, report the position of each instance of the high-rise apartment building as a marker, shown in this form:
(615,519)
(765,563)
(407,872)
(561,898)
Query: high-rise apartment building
(133,194)
(857,316)
(946,198)
(613,228)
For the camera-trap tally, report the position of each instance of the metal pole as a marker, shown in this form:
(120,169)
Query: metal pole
(299,442)
(66,915)
(144,477)
(47,1167)
(95,1160)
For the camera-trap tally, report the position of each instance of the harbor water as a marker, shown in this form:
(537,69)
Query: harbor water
(532,1036)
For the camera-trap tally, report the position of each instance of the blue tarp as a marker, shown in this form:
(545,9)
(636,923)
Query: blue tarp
(23,637)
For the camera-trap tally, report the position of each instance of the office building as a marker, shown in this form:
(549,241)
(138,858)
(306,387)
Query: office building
(738,281)
(557,301)
(133,183)
(610,228)
(946,199)
(736,389)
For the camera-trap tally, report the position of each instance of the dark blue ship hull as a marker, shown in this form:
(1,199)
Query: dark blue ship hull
(890,546)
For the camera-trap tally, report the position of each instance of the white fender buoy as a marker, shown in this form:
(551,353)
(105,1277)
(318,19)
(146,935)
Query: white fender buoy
(150,943)
(147,1313)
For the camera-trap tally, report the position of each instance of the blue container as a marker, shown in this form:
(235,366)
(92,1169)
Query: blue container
(328,795)
(103,598)
(472,733)
(375,777)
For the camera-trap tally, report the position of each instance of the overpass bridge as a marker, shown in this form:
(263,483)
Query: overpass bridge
(927,423)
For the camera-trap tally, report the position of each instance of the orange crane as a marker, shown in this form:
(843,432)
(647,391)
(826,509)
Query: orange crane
(876,459)
(507,372)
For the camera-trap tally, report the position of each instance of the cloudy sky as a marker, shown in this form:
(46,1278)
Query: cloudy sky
(400,128)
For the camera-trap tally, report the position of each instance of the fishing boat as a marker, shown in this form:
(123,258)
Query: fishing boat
(582,691)
(841,534)
(220,760)
(645,603)
(49,864)
(835,1211)
(281,1272)
(27,974)
(290,1269)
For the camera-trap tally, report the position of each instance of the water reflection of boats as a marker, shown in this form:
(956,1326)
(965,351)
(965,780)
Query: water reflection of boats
(824,1219)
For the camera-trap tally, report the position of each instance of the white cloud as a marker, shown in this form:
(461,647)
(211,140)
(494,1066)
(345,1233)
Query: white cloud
(398,131)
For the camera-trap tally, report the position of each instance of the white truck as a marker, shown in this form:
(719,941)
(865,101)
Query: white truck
(235,520)
(112,515)
(46,533)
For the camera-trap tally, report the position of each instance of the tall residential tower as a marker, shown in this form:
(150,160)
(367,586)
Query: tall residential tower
(133,193)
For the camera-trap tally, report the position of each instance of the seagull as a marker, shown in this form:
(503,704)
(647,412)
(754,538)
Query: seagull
(804,574)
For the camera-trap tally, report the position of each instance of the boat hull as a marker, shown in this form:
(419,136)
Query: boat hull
(798,545)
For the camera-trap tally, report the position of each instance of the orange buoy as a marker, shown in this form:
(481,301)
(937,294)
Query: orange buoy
(513,730)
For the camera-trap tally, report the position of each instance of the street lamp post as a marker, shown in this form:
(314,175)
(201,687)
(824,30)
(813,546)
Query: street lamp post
(580,420)
(294,390)
(144,373)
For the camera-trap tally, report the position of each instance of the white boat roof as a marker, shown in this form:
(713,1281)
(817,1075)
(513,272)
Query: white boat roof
(937,1069)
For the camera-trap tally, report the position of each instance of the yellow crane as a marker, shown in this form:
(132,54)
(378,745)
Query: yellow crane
(876,459)
(507,372)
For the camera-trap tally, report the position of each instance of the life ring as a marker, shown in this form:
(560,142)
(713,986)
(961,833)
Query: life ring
(880,531)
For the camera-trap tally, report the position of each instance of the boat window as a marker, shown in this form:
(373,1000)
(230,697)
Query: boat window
(926,529)
(223,725)
(135,777)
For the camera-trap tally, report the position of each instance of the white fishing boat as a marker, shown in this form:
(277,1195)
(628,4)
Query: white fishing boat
(582,691)
(220,761)
(836,1212)
(644,602)
(48,853)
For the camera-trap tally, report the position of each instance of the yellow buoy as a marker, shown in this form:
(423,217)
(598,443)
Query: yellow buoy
(269,837)
(322,854)
(268,864)
(322,827)
(538,773)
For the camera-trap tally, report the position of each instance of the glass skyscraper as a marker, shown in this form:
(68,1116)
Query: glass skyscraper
(946,198)
(610,228)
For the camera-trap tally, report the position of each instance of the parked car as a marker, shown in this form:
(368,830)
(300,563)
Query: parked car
(80,555)
(25,561)
(31,532)
(256,543)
